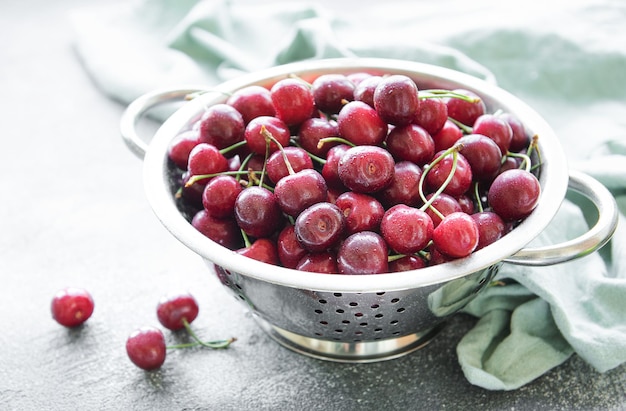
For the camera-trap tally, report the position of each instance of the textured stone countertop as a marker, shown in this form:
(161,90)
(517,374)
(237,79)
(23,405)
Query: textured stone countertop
(74,213)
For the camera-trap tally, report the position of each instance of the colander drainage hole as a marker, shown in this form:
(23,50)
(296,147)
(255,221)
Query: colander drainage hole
(400,310)
(319,311)
(395,300)
(339,311)
(374,306)
(378,316)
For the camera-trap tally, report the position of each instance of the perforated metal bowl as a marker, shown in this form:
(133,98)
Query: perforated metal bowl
(361,318)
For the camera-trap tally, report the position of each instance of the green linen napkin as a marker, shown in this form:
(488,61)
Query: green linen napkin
(570,68)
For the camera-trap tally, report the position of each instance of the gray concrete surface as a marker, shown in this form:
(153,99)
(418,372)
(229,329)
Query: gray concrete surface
(74,213)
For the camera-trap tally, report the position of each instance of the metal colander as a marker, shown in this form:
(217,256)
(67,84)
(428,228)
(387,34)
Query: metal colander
(360,318)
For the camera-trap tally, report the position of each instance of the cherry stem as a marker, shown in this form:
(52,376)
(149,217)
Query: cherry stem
(269,138)
(246,240)
(442,93)
(454,150)
(466,129)
(232,147)
(313,156)
(477,196)
(209,344)
(325,140)
(194,179)
(525,160)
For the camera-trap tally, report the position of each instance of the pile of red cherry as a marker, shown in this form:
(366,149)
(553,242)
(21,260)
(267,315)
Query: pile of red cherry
(355,173)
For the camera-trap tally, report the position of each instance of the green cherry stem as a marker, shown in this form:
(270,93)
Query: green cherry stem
(466,129)
(315,158)
(193,179)
(232,147)
(454,150)
(442,93)
(334,139)
(198,342)
(269,138)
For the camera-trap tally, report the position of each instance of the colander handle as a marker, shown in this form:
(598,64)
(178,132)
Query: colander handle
(136,110)
(592,240)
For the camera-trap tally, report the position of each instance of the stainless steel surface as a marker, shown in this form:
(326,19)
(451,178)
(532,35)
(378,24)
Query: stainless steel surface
(340,308)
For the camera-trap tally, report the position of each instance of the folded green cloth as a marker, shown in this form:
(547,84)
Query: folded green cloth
(571,68)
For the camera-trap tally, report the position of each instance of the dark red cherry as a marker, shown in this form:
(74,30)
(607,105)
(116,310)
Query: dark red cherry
(297,191)
(483,155)
(181,146)
(404,186)
(364,91)
(366,169)
(456,236)
(256,140)
(324,262)
(331,91)
(293,101)
(514,194)
(396,99)
(320,227)
(411,143)
(315,129)
(496,128)
(362,212)
(206,159)
(330,170)
(431,115)
(364,252)
(445,138)
(439,172)
(464,111)
(223,231)
(445,204)
(521,138)
(146,348)
(252,102)
(289,249)
(172,309)
(257,212)
(406,229)
(262,249)
(72,306)
(221,125)
(219,195)
(406,263)
(360,124)
(491,228)
(297,157)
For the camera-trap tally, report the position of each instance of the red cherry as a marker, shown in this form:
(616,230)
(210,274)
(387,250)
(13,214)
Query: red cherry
(221,125)
(396,99)
(252,102)
(293,101)
(406,263)
(364,252)
(456,236)
(514,194)
(362,212)
(464,111)
(360,124)
(324,262)
(406,229)
(366,169)
(72,306)
(330,91)
(263,249)
(146,348)
(174,308)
